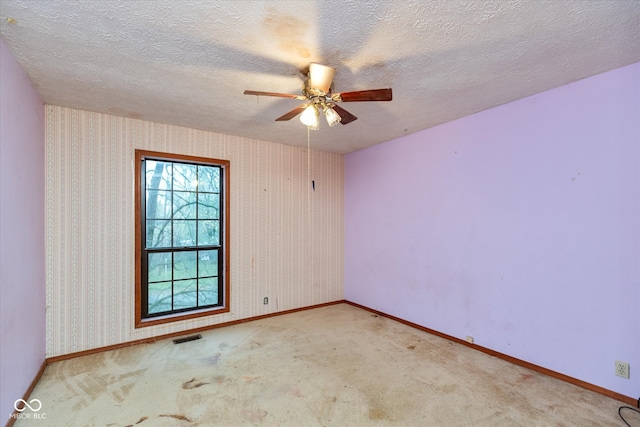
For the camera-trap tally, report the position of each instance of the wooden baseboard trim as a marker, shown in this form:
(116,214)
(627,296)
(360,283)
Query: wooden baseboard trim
(181,333)
(12,417)
(612,394)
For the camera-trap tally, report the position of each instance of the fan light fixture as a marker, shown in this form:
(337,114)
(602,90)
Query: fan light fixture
(309,117)
(332,117)
(321,77)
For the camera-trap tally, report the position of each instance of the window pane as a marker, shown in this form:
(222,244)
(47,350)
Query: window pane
(209,232)
(159,297)
(159,267)
(158,175)
(158,204)
(184,265)
(180,220)
(208,291)
(184,233)
(208,206)
(158,234)
(184,205)
(184,177)
(184,294)
(209,179)
(208,265)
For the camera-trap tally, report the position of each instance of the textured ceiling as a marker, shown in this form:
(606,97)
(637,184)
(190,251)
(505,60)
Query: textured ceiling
(188,62)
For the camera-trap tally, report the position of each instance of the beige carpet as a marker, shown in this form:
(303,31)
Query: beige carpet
(331,366)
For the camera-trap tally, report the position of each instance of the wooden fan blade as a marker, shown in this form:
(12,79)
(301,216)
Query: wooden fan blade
(281,95)
(367,95)
(291,114)
(345,116)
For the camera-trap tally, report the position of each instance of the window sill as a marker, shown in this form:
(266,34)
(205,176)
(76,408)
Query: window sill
(172,318)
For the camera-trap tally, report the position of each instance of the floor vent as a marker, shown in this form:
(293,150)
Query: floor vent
(187,339)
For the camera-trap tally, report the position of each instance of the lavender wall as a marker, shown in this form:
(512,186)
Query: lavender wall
(519,226)
(22,272)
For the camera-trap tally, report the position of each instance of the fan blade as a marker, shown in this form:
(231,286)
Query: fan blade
(321,76)
(345,116)
(366,95)
(281,95)
(291,114)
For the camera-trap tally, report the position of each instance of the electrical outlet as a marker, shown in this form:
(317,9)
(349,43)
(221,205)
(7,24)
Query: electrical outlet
(265,301)
(622,369)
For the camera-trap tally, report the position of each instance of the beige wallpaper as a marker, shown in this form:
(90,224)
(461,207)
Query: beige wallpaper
(286,239)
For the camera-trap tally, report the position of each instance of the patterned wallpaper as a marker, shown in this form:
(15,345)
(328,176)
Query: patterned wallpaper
(286,238)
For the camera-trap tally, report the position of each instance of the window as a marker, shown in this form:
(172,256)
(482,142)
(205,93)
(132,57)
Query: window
(182,230)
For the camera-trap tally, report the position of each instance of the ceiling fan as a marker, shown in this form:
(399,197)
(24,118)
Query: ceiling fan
(319,96)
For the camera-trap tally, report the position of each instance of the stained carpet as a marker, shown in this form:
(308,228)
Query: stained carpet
(331,366)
